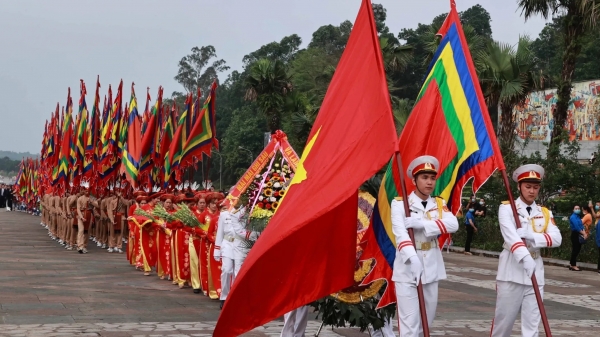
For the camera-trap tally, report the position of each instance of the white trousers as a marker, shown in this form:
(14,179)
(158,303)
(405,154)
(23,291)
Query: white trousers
(229,270)
(386,331)
(409,314)
(294,322)
(510,297)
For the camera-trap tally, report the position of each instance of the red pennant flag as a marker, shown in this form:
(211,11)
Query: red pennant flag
(308,250)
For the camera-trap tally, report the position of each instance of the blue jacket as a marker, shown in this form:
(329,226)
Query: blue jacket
(576,223)
(598,233)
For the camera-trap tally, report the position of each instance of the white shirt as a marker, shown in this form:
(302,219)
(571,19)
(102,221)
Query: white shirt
(432,260)
(229,234)
(545,232)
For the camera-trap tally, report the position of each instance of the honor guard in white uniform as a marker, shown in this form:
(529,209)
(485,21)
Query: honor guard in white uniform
(519,260)
(429,217)
(231,234)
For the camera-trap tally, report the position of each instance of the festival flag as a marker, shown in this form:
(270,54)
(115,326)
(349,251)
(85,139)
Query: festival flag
(110,159)
(202,136)
(146,117)
(351,139)
(62,170)
(168,146)
(151,139)
(91,143)
(81,137)
(173,153)
(132,147)
(450,121)
(178,143)
(196,107)
(106,129)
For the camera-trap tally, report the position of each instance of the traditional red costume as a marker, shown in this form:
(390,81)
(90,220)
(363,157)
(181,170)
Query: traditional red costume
(214,267)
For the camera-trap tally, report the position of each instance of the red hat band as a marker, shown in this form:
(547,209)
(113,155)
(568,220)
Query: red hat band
(425,167)
(533,175)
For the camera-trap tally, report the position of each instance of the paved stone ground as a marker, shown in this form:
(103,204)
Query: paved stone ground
(49,291)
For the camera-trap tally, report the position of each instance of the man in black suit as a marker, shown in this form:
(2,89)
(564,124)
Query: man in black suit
(2,196)
(8,197)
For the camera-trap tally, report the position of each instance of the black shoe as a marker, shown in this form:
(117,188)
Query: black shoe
(196,291)
(222,304)
(80,251)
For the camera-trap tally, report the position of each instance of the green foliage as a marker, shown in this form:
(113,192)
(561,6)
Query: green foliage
(283,51)
(331,39)
(196,72)
(18,155)
(9,166)
(339,314)
(507,77)
(478,18)
(246,129)
(268,83)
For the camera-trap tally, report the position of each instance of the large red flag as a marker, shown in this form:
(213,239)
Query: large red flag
(309,247)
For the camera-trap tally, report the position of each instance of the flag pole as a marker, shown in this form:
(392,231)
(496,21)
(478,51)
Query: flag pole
(534,282)
(412,239)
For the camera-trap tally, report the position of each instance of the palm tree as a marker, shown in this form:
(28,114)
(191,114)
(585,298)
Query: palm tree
(395,56)
(507,76)
(579,17)
(268,83)
(401,109)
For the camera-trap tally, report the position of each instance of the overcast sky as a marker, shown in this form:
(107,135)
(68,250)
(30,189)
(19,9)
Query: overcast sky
(47,46)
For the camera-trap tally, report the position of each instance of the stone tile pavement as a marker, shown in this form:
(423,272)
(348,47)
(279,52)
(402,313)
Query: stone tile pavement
(48,291)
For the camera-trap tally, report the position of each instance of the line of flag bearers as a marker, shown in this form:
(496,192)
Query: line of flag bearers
(209,259)
(205,258)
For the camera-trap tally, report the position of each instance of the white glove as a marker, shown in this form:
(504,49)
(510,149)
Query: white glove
(253,236)
(416,268)
(217,255)
(414,223)
(529,265)
(525,234)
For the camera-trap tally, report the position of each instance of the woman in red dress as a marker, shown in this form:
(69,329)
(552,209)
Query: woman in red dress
(211,218)
(147,238)
(198,260)
(181,242)
(164,268)
(133,242)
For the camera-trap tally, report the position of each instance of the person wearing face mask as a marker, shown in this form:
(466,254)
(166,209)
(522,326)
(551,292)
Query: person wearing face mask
(480,209)
(577,231)
(428,217)
(471,229)
(521,258)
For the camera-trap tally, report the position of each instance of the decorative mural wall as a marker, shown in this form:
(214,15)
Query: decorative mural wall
(534,117)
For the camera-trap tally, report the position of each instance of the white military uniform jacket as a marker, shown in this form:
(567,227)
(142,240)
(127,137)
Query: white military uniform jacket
(545,232)
(427,248)
(230,233)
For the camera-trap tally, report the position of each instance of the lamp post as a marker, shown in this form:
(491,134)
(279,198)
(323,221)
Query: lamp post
(220,166)
(249,152)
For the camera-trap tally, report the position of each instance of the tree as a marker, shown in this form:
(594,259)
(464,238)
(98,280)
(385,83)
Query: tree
(331,39)
(195,71)
(549,49)
(580,16)
(401,108)
(246,129)
(268,83)
(283,50)
(507,77)
(478,18)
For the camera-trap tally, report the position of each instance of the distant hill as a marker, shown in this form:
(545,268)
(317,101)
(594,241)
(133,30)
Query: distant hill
(17,155)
